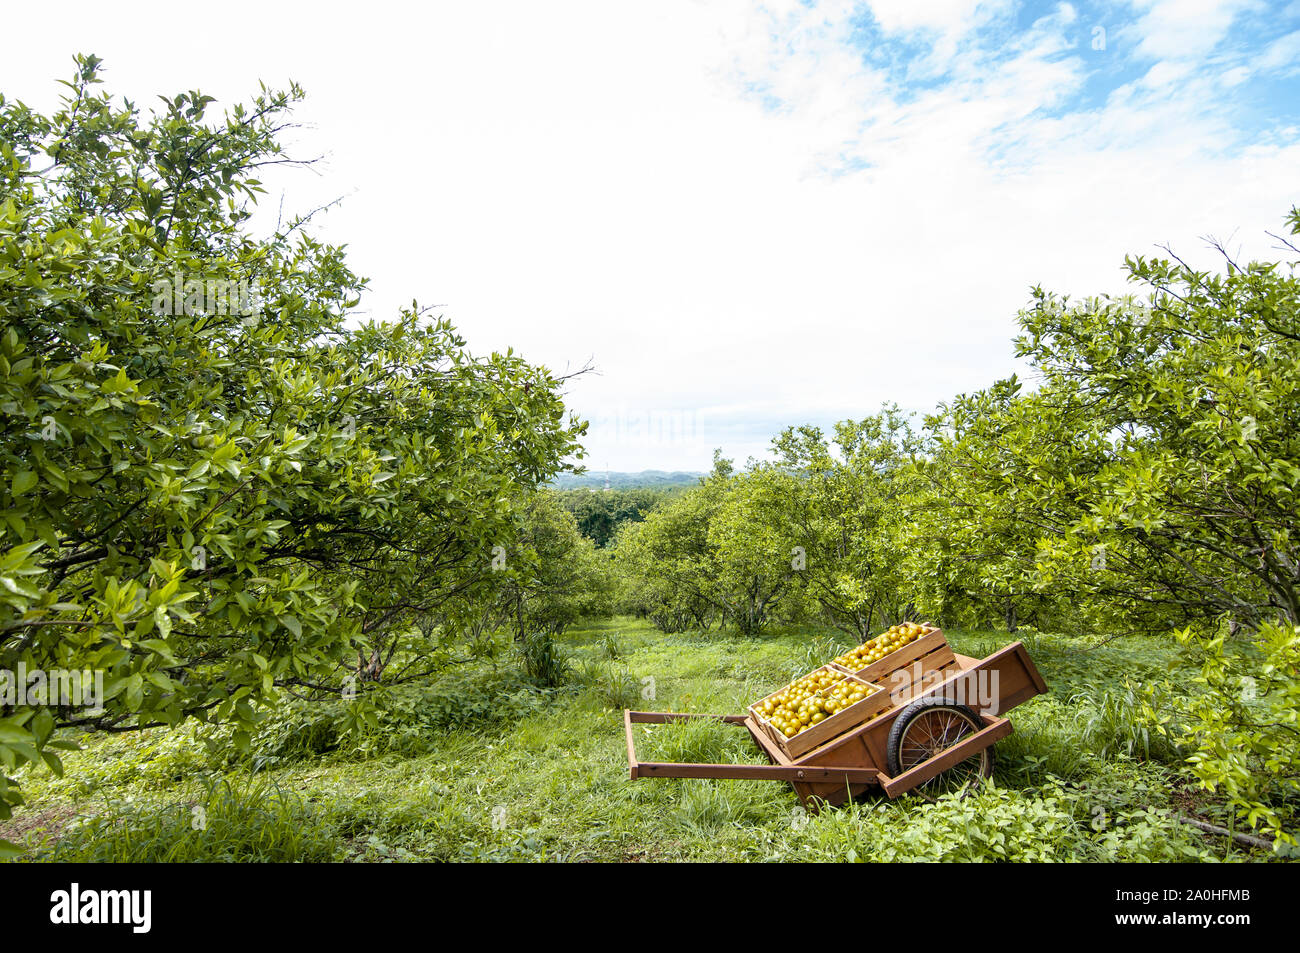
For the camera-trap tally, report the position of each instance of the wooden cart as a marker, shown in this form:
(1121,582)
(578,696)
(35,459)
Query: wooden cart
(945,713)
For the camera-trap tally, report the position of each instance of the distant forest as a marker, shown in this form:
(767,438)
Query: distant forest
(646,479)
(599,515)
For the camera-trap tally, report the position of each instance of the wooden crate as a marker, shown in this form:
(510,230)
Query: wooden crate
(1018,680)
(877,700)
(898,670)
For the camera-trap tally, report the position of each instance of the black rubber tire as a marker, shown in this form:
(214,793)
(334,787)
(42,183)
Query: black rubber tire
(914,711)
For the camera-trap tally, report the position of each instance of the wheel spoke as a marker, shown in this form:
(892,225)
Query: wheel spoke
(932,732)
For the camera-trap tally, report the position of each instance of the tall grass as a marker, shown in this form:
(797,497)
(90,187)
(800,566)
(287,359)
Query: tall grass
(544,662)
(230,822)
(1111,723)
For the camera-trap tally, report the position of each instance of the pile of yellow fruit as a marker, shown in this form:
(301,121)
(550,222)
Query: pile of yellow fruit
(810,701)
(875,649)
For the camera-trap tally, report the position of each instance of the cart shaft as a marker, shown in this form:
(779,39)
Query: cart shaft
(752,772)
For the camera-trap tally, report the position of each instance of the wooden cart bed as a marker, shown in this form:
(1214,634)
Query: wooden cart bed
(850,763)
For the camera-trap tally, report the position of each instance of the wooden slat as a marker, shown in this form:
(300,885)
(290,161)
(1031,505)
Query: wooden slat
(756,772)
(1015,676)
(967,747)
(662,717)
(840,722)
(903,681)
(631,744)
(875,741)
(875,728)
(927,654)
(770,747)
(881,668)
(1016,685)
(1034,675)
(784,770)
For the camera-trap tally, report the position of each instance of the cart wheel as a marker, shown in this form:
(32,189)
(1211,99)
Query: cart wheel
(929,726)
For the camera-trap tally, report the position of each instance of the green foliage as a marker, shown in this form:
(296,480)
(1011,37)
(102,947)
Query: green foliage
(669,569)
(1148,483)
(554,576)
(1094,709)
(610,646)
(403,720)
(1003,474)
(828,533)
(150,761)
(615,687)
(1159,460)
(752,545)
(1242,728)
(1056,823)
(600,514)
(707,807)
(1113,722)
(853,511)
(1150,478)
(700,740)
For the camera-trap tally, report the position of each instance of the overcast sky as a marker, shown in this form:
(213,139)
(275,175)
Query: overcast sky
(747,215)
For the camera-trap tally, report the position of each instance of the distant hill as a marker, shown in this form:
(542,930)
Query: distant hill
(646,479)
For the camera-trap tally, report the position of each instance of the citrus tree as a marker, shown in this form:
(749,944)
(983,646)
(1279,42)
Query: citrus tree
(1196,392)
(1154,474)
(852,501)
(667,568)
(552,576)
(215,486)
(755,549)
(1009,471)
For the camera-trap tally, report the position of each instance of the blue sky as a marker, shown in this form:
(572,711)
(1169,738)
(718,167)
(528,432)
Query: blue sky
(747,215)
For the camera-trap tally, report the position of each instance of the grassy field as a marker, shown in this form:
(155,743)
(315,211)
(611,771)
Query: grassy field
(511,774)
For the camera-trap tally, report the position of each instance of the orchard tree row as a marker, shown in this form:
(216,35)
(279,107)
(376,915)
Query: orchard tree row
(1148,483)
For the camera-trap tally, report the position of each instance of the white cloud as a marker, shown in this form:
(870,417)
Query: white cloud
(946,24)
(1235,76)
(1186,29)
(607,180)
(1282,54)
(1167,73)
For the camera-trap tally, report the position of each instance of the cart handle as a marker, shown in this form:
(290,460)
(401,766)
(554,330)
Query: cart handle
(752,772)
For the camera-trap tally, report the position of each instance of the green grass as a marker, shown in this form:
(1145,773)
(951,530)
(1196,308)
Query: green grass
(229,821)
(545,777)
